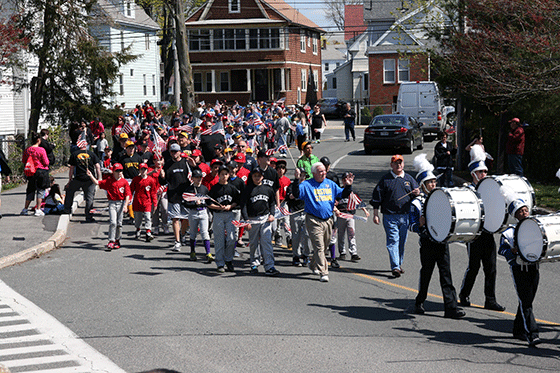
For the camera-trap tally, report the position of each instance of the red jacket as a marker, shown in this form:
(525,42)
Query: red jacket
(516,141)
(117,190)
(144,191)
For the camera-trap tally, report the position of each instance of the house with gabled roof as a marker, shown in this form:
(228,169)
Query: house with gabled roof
(125,24)
(253,50)
(397,48)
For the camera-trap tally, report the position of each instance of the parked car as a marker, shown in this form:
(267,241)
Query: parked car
(392,131)
(422,101)
(331,107)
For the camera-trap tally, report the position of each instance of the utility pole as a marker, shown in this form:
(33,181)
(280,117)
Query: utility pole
(187,91)
(460,139)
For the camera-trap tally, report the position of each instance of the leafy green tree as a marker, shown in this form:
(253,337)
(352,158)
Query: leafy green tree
(74,70)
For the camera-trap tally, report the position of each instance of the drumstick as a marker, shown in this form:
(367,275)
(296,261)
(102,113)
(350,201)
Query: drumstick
(409,193)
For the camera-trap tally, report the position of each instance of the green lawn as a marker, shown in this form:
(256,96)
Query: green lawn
(547,196)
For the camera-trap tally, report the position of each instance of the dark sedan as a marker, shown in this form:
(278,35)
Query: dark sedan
(331,107)
(393,131)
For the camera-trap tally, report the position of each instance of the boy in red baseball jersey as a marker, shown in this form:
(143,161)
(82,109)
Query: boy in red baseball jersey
(118,193)
(144,189)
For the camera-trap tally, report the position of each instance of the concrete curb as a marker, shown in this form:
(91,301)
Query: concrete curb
(53,242)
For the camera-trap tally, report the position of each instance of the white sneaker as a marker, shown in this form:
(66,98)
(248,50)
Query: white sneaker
(138,234)
(24,212)
(177,247)
(324,278)
(39,212)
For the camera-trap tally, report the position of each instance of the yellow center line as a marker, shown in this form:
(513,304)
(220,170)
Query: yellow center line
(430,294)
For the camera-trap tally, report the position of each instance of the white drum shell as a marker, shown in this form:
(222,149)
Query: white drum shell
(538,238)
(454,215)
(496,217)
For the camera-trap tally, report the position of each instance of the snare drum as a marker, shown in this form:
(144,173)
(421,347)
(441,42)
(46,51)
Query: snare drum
(454,215)
(538,238)
(496,217)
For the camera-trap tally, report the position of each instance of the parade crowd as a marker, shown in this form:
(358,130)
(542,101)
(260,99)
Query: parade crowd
(213,172)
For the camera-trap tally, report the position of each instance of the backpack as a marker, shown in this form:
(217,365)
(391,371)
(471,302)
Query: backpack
(29,169)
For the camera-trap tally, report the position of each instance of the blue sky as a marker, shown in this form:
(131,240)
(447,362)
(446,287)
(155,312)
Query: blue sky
(312,10)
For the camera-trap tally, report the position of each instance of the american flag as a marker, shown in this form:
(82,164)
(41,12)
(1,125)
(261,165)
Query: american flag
(162,189)
(239,224)
(218,128)
(256,120)
(283,210)
(82,141)
(188,128)
(127,127)
(270,151)
(282,147)
(345,215)
(281,101)
(192,197)
(307,107)
(207,131)
(353,202)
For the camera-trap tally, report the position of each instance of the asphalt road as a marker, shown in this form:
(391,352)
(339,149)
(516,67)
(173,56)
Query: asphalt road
(144,307)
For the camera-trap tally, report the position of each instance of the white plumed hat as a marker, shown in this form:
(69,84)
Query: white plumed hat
(424,167)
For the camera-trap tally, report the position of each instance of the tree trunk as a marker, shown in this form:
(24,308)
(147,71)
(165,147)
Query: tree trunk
(502,138)
(187,92)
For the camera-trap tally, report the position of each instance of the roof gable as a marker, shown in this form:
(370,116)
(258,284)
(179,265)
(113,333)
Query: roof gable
(140,20)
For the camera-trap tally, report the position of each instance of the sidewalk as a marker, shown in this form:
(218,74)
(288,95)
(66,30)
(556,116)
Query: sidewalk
(26,237)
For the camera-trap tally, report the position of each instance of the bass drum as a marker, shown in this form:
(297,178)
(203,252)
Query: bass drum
(497,218)
(538,238)
(454,215)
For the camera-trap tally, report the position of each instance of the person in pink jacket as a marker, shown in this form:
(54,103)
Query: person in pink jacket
(39,181)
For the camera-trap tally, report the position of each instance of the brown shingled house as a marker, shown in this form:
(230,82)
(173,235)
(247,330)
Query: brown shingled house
(253,50)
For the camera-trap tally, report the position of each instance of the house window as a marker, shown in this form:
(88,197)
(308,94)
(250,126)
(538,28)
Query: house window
(121,85)
(131,72)
(326,66)
(209,87)
(264,38)
(240,42)
(337,64)
(316,79)
(366,81)
(302,41)
(224,81)
(234,6)
(122,41)
(197,81)
(309,39)
(199,40)
(145,86)
(128,8)
(389,71)
(404,70)
(288,75)
(153,84)
(333,83)
(147,41)
(315,41)
(304,80)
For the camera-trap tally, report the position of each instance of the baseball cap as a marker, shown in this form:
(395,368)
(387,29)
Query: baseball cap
(223,168)
(123,136)
(228,149)
(249,150)
(273,159)
(240,157)
(143,165)
(197,172)
(218,146)
(397,157)
(325,161)
(172,138)
(128,143)
(232,164)
(183,133)
(117,166)
(196,153)
(174,148)
(281,162)
(257,170)
(515,120)
(216,161)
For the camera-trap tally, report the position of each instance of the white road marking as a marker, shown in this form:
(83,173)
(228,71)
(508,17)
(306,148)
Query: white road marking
(58,343)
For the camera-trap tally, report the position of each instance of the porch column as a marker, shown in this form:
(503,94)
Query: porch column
(283,79)
(248,80)
(213,72)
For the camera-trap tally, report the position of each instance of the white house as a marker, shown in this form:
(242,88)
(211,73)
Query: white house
(127,25)
(333,54)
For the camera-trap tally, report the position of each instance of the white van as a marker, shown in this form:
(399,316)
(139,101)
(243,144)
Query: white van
(422,101)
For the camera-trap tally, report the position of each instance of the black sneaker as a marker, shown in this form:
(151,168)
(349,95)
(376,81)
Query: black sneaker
(334,263)
(419,309)
(296,262)
(305,261)
(355,257)
(494,306)
(342,257)
(289,240)
(254,270)
(455,313)
(272,272)
(533,341)
(464,301)
(229,266)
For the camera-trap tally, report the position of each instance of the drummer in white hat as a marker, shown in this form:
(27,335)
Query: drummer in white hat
(483,249)
(431,252)
(525,276)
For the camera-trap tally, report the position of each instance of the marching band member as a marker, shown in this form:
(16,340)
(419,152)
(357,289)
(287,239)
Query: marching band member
(483,249)
(525,278)
(431,252)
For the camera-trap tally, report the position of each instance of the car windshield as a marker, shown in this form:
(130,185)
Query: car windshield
(389,121)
